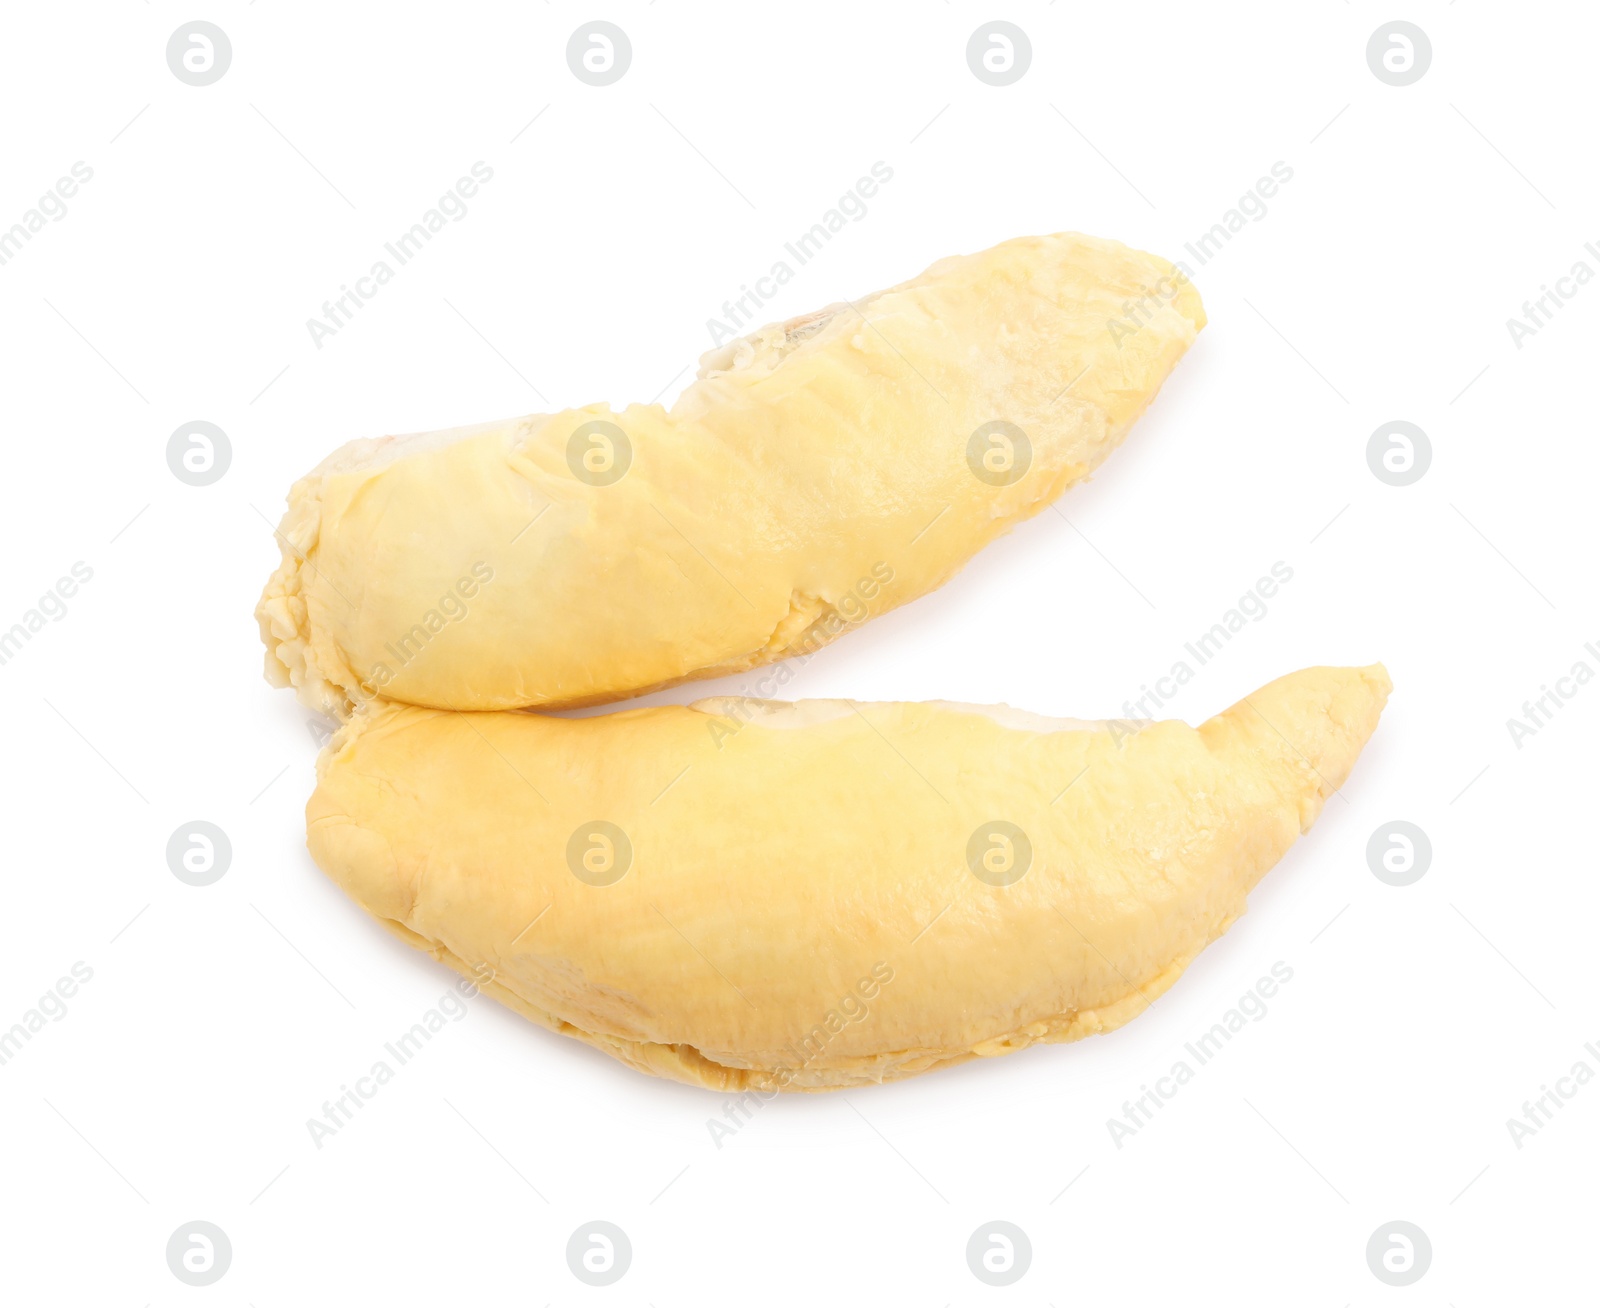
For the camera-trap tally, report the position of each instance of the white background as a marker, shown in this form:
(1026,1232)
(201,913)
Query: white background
(1377,287)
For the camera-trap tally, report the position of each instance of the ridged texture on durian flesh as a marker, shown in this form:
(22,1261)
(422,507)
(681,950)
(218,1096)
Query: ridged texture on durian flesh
(816,474)
(802,907)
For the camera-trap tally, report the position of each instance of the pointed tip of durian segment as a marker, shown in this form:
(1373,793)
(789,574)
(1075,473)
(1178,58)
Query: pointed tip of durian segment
(1314,721)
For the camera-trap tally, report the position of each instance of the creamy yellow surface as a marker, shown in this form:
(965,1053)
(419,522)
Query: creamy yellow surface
(816,474)
(788,860)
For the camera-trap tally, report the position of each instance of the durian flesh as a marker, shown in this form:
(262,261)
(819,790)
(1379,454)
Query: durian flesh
(753,896)
(816,474)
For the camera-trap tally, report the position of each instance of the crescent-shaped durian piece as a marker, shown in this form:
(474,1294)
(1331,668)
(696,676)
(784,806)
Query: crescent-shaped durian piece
(817,473)
(754,896)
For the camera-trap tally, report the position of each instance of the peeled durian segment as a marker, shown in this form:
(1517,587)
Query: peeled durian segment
(817,473)
(745,895)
